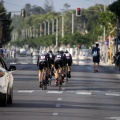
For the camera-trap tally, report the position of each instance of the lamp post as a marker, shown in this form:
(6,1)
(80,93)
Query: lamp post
(48,26)
(62,26)
(56,32)
(52,26)
(44,28)
(72,23)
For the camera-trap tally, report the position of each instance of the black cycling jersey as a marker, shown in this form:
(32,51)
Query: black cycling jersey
(68,57)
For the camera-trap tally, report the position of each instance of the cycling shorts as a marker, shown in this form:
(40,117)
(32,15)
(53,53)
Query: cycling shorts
(43,64)
(58,63)
(69,62)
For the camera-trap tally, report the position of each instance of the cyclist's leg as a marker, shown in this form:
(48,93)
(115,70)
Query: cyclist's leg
(49,70)
(40,74)
(62,70)
(46,65)
(52,67)
(69,68)
(56,72)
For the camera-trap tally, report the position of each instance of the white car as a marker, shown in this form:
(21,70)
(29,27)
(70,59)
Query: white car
(23,51)
(6,83)
(36,53)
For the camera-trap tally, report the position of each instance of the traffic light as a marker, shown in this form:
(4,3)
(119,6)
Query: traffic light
(78,11)
(8,22)
(23,12)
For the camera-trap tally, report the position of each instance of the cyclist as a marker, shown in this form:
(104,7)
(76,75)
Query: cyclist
(64,61)
(68,62)
(58,60)
(43,60)
(51,56)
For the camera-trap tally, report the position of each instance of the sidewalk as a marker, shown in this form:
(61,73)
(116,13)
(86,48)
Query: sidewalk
(102,63)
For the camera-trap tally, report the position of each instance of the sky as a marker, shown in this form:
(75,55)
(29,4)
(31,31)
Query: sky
(17,5)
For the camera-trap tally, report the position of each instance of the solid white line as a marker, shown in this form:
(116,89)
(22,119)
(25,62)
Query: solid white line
(112,94)
(58,92)
(59,99)
(25,91)
(55,113)
(83,93)
(57,105)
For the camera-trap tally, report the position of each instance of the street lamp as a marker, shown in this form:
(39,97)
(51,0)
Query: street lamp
(48,26)
(52,26)
(44,28)
(56,32)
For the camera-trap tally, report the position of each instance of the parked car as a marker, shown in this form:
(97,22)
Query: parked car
(6,83)
(23,51)
(36,53)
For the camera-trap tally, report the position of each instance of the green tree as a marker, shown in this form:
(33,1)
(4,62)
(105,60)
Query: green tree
(48,6)
(5,25)
(115,8)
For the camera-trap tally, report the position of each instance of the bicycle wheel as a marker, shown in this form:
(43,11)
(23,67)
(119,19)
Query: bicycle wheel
(60,81)
(44,82)
(67,74)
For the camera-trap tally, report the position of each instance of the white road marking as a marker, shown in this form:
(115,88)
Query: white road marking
(23,63)
(83,93)
(13,63)
(55,113)
(57,92)
(59,99)
(25,91)
(112,94)
(114,118)
(57,105)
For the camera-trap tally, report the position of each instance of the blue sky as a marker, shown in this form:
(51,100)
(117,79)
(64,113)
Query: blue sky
(17,5)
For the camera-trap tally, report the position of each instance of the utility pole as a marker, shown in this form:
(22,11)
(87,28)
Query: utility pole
(52,26)
(72,23)
(48,27)
(44,28)
(62,26)
(117,33)
(56,32)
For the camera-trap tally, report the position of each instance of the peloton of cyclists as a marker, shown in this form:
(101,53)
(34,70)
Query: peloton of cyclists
(52,61)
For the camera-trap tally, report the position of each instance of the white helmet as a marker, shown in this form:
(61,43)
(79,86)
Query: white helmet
(44,52)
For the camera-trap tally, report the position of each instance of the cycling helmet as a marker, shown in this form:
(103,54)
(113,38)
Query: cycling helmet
(44,52)
(61,52)
(66,51)
(50,51)
(58,52)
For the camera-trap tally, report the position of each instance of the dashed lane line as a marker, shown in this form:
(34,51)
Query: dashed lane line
(57,92)
(55,114)
(59,99)
(112,94)
(25,91)
(83,93)
(117,94)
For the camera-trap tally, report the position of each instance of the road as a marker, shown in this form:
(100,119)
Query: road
(86,96)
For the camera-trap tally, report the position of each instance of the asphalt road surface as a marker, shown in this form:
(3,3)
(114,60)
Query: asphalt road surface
(86,96)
